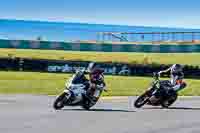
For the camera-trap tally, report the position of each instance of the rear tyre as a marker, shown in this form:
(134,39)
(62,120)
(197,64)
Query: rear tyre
(141,100)
(169,102)
(59,102)
(87,105)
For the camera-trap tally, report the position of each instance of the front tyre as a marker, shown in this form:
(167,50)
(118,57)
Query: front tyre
(59,102)
(141,100)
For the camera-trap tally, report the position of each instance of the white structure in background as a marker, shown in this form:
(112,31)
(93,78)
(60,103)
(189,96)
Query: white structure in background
(125,70)
(107,70)
(65,68)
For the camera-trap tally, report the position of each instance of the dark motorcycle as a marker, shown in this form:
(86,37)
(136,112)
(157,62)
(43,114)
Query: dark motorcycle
(158,94)
(75,93)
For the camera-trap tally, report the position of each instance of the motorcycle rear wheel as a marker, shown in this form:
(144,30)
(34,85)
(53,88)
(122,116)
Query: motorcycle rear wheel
(169,102)
(88,103)
(86,107)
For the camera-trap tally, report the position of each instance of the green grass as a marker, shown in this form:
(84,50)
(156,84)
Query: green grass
(51,84)
(161,58)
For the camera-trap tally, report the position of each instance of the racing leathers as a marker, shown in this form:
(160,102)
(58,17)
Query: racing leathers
(177,76)
(97,84)
(94,85)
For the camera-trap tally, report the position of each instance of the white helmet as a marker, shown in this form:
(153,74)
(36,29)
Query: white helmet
(176,68)
(91,66)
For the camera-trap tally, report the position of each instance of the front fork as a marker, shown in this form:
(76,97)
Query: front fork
(151,93)
(68,96)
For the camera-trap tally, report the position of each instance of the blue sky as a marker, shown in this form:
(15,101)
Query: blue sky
(165,13)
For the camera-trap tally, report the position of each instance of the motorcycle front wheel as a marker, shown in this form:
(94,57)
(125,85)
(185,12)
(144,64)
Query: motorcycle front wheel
(59,102)
(141,100)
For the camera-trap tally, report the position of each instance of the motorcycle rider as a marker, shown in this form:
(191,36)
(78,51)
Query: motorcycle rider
(96,81)
(177,75)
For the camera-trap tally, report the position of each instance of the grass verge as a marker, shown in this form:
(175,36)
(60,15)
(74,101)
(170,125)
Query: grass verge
(53,84)
(160,58)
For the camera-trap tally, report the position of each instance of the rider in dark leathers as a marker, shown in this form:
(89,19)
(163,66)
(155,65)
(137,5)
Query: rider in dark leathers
(96,80)
(172,86)
(177,75)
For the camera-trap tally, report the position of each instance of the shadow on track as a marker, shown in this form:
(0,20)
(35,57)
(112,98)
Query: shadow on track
(184,108)
(173,108)
(99,110)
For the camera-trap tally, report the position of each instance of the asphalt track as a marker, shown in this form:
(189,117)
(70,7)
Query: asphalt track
(34,114)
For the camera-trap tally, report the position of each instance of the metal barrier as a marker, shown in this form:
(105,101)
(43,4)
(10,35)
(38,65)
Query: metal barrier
(104,47)
(149,37)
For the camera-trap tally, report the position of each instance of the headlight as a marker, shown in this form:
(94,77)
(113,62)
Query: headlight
(68,83)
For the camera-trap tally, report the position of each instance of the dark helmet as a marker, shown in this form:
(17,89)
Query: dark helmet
(176,68)
(96,75)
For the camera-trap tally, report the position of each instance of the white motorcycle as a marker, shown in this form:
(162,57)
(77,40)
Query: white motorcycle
(75,93)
